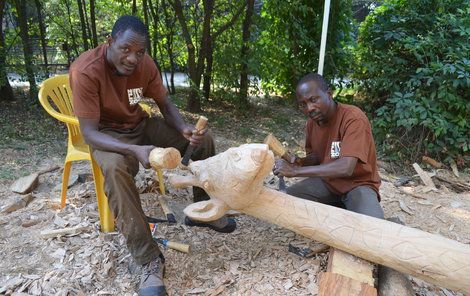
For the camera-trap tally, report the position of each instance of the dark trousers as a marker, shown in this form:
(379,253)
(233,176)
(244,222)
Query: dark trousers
(119,172)
(361,199)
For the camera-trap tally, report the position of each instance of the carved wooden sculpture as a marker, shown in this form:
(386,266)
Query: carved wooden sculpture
(234,180)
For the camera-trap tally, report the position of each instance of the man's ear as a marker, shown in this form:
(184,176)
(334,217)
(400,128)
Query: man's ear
(109,39)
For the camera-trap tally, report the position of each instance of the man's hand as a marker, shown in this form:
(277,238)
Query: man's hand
(194,136)
(283,168)
(142,154)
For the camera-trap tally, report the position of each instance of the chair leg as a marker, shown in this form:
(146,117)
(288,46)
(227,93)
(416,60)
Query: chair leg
(161,183)
(65,183)
(106,216)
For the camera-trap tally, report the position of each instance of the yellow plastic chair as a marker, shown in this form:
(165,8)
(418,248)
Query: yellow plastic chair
(57,90)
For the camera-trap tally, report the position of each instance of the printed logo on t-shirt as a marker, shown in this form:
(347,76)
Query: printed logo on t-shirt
(135,95)
(335,149)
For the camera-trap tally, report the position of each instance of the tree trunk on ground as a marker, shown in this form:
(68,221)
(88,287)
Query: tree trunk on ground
(93,23)
(82,24)
(42,29)
(243,95)
(6,92)
(27,49)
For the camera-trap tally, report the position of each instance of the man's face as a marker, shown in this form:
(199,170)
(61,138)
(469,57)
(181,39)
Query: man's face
(126,51)
(314,102)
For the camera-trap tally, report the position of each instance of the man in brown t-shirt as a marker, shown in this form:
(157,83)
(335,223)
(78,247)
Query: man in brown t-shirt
(107,84)
(340,164)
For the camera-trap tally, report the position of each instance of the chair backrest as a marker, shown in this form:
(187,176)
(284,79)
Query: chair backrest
(55,95)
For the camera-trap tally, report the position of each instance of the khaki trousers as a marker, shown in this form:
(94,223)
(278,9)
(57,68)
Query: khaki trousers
(119,172)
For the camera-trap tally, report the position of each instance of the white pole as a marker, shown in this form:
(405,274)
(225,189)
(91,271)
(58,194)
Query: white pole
(324,30)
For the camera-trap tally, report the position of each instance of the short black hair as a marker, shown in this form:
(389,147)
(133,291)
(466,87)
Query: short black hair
(321,82)
(131,22)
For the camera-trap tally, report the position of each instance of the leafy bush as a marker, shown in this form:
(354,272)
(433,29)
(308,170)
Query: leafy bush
(289,42)
(414,69)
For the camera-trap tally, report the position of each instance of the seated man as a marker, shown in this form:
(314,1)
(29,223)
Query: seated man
(107,84)
(341,158)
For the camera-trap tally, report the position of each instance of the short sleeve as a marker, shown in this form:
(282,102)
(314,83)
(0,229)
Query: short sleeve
(356,139)
(85,93)
(155,88)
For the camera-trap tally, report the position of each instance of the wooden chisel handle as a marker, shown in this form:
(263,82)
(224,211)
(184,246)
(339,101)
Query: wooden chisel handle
(200,125)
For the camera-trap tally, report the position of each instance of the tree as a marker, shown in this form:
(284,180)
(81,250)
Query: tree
(289,40)
(205,49)
(93,23)
(245,48)
(83,24)
(42,30)
(6,92)
(27,49)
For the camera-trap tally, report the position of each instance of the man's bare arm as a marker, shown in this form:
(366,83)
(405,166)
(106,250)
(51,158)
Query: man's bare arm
(101,141)
(342,167)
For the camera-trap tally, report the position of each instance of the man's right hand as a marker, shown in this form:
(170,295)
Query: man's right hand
(142,154)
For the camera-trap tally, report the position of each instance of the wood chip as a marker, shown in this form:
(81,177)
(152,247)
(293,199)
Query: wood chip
(432,162)
(405,208)
(424,176)
(453,166)
(69,231)
(18,203)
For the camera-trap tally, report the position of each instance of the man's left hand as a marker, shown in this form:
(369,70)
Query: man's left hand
(283,168)
(194,136)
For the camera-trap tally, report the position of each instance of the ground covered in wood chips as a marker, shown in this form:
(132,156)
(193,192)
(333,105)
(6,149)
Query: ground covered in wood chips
(254,260)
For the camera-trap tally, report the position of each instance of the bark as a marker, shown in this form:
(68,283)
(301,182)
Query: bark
(193,103)
(82,24)
(27,49)
(42,30)
(170,25)
(245,53)
(134,7)
(146,20)
(93,23)
(72,32)
(6,92)
(210,51)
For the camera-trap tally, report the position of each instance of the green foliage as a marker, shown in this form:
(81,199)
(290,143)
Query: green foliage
(414,67)
(289,42)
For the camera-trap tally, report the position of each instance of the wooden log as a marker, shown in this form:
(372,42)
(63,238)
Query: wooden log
(340,285)
(234,180)
(351,266)
(19,203)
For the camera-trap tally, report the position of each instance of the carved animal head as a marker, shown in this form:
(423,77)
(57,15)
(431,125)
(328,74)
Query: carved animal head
(233,179)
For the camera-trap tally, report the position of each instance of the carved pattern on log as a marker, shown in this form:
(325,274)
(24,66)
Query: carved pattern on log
(234,180)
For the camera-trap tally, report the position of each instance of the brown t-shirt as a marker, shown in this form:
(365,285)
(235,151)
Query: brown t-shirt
(348,133)
(99,93)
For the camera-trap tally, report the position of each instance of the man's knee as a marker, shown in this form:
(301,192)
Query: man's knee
(364,200)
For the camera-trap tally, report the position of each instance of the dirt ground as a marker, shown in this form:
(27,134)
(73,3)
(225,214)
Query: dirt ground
(254,260)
